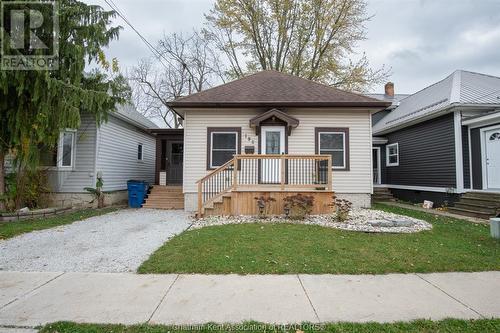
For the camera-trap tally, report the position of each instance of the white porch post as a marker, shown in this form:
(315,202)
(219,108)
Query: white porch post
(459,161)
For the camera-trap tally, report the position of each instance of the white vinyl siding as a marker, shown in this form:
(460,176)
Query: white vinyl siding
(81,173)
(117,156)
(301,141)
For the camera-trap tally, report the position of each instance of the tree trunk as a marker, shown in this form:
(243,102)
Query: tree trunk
(2,180)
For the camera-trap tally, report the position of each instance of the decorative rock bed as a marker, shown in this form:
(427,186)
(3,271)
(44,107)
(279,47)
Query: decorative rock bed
(364,220)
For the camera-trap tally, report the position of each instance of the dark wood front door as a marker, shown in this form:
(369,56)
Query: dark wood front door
(175,154)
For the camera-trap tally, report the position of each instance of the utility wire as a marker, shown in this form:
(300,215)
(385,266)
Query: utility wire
(150,46)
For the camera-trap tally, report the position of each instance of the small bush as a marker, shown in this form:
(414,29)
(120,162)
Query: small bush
(342,209)
(263,204)
(298,206)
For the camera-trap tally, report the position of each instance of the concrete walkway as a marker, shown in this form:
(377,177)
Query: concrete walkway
(28,299)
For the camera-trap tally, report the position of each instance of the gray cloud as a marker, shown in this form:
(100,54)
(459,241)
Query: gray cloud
(421,40)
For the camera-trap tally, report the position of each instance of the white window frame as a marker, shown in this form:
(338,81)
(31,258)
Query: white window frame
(212,166)
(142,152)
(332,150)
(387,160)
(60,148)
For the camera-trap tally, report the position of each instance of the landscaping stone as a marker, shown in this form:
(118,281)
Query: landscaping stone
(364,220)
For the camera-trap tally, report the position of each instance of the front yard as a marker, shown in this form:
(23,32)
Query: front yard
(14,228)
(452,245)
(423,326)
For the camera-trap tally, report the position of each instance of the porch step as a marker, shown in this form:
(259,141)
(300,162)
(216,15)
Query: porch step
(165,197)
(468,212)
(382,194)
(220,207)
(478,204)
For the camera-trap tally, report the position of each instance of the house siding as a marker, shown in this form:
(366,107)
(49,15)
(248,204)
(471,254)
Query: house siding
(301,141)
(82,173)
(117,154)
(426,154)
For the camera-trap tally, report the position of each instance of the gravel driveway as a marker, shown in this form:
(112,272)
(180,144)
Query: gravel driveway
(115,242)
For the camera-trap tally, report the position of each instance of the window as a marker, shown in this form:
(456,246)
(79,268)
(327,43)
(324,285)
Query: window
(139,152)
(335,142)
(495,136)
(223,144)
(65,149)
(392,154)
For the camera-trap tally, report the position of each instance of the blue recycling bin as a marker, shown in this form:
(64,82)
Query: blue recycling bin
(137,190)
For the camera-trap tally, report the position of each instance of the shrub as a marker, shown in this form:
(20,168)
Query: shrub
(342,209)
(97,192)
(263,204)
(298,206)
(25,188)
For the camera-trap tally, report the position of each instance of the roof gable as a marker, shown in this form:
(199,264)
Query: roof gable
(272,88)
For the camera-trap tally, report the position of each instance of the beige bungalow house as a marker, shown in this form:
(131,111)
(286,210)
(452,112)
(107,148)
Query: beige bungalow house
(270,134)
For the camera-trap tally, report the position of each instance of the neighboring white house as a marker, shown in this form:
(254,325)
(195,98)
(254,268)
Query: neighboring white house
(120,149)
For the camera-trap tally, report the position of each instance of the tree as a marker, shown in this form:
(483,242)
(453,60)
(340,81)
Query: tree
(37,104)
(185,64)
(314,39)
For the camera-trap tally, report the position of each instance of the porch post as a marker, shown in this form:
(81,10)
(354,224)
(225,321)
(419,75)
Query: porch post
(235,172)
(282,171)
(200,204)
(330,173)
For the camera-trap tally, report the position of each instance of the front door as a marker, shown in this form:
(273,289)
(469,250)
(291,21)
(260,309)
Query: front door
(272,142)
(175,154)
(492,139)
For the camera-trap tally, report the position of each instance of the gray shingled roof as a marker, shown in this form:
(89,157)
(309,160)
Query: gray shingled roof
(459,88)
(129,114)
(272,88)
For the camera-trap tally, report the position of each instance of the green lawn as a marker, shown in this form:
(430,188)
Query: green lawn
(452,245)
(421,326)
(14,228)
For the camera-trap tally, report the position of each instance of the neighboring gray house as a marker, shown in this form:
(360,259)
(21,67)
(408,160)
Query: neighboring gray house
(120,149)
(442,142)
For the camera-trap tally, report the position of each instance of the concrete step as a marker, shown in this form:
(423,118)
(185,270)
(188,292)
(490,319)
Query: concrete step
(476,208)
(480,202)
(468,212)
(487,196)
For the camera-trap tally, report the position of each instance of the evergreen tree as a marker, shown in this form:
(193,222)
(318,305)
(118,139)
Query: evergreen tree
(36,105)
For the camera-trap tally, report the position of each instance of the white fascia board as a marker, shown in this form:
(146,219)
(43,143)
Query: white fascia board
(422,188)
(459,161)
(487,119)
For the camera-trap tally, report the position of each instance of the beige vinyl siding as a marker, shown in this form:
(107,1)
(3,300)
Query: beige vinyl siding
(301,141)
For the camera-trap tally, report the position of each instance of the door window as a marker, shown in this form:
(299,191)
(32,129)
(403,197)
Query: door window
(273,143)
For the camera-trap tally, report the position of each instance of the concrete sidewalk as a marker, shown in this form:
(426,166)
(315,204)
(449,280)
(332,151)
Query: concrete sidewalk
(31,299)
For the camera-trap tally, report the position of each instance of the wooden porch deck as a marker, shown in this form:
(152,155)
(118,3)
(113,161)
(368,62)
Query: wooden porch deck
(231,189)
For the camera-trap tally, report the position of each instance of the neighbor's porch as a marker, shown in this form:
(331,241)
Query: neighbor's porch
(232,188)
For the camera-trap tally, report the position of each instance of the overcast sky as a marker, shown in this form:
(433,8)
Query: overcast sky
(423,41)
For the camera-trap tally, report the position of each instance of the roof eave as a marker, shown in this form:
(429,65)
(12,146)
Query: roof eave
(369,104)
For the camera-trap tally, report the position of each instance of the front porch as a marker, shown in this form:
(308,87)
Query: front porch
(231,189)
